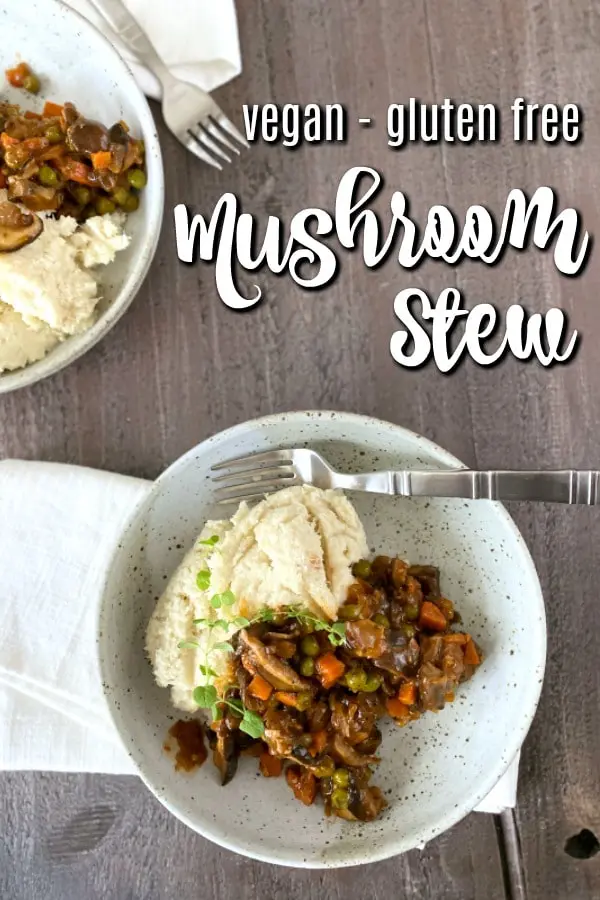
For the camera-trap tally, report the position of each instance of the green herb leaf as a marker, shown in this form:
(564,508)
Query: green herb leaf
(220,623)
(223,646)
(266,615)
(203,579)
(228,598)
(236,705)
(188,645)
(216,712)
(200,621)
(206,670)
(205,696)
(211,541)
(337,635)
(319,625)
(252,724)
(215,601)
(241,622)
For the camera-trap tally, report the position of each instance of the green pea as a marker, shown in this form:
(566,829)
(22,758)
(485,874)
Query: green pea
(82,194)
(326,769)
(310,645)
(372,683)
(305,740)
(411,611)
(303,700)
(131,204)
(104,205)
(408,631)
(137,179)
(47,176)
(120,196)
(54,134)
(362,569)
(341,778)
(31,83)
(349,611)
(307,667)
(382,620)
(355,680)
(340,799)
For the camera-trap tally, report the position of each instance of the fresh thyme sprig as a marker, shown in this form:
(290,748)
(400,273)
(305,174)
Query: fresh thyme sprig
(205,695)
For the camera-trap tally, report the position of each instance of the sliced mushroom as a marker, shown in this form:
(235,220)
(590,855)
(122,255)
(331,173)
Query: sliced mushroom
(368,804)
(87,137)
(35,197)
(347,755)
(225,754)
(275,670)
(17,228)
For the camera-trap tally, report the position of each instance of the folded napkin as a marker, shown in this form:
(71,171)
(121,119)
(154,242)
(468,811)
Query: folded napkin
(196,39)
(58,527)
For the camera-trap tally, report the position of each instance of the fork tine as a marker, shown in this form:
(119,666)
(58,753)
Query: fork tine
(206,141)
(236,495)
(226,125)
(194,147)
(219,135)
(268,456)
(256,475)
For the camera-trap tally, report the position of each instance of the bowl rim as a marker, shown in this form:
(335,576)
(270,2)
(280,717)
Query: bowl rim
(514,739)
(47,366)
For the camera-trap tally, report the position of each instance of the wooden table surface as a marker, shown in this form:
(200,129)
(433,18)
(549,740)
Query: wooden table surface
(181,366)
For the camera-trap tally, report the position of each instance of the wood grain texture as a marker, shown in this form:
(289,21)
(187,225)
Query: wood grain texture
(181,366)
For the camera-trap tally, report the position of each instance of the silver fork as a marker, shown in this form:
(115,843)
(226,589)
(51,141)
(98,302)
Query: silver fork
(251,477)
(190,113)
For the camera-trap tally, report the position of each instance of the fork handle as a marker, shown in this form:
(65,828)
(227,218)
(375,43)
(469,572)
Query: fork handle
(573,486)
(128,30)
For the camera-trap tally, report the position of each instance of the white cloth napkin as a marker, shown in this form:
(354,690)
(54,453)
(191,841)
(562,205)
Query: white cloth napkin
(58,527)
(196,39)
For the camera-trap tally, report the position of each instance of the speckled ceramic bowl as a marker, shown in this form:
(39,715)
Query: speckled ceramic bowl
(75,62)
(433,772)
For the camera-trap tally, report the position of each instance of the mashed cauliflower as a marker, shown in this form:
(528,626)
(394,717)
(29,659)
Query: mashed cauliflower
(20,343)
(294,548)
(49,287)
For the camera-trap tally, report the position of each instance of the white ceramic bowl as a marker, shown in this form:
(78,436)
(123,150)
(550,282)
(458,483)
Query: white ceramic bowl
(436,770)
(76,63)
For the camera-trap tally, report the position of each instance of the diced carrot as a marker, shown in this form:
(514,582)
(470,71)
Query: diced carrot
(408,693)
(78,172)
(472,657)
(102,159)
(303,783)
(7,141)
(52,109)
(31,115)
(259,687)
(431,617)
(270,766)
(456,637)
(396,708)
(288,698)
(329,669)
(17,76)
(319,742)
